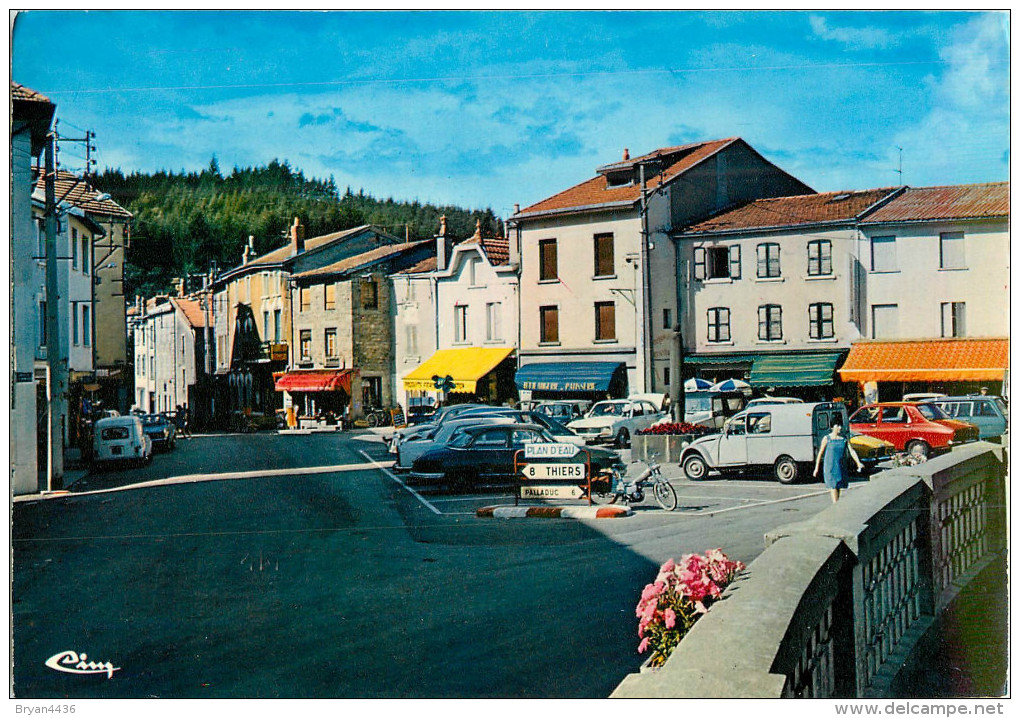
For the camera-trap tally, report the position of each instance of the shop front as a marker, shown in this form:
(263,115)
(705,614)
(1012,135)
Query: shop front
(593,381)
(321,396)
(886,370)
(463,375)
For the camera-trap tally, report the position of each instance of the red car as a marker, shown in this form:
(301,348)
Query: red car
(918,429)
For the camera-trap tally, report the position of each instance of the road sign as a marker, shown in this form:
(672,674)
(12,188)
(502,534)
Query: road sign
(549,451)
(551,492)
(553,471)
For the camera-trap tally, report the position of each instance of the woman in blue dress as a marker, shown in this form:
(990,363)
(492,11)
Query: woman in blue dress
(834,448)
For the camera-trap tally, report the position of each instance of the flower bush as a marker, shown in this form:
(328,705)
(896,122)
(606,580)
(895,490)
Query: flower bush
(674,429)
(903,459)
(681,593)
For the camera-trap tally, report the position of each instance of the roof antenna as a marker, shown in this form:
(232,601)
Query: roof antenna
(900,170)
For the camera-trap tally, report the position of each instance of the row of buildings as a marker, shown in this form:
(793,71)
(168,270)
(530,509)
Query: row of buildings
(708,246)
(68,334)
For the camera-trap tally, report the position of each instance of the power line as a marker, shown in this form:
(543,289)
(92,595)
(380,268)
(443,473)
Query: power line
(493,78)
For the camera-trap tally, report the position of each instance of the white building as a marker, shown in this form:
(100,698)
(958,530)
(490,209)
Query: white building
(415,327)
(169,359)
(471,310)
(599,282)
(31,114)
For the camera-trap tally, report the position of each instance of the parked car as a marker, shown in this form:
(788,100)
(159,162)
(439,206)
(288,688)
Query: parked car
(871,450)
(161,431)
(784,437)
(478,453)
(121,438)
(767,400)
(437,418)
(616,420)
(559,432)
(712,408)
(410,449)
(988,413)
(917,429)
(923,396)
(563,411)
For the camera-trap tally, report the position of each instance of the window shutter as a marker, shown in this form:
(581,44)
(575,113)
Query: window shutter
(763,322)
(699,263)
(735,261)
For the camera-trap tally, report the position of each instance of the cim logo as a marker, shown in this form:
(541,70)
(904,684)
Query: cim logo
(72,662)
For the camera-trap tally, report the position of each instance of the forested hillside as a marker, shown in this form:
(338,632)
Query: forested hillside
(184,222)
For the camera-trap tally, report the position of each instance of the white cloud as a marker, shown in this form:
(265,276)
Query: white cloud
(857,37)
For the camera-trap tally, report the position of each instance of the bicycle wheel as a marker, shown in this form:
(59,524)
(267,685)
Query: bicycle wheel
(373,420)
(665,495)
(601,492)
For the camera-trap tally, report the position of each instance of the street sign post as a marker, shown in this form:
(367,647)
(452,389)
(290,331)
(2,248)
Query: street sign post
(563,469)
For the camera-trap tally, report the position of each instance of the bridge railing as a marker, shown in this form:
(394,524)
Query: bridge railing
(836,604)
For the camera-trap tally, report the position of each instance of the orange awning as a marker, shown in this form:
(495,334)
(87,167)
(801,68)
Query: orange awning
(315,380)
(927,360)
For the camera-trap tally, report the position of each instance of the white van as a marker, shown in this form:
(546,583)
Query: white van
(784,437)
(121,438)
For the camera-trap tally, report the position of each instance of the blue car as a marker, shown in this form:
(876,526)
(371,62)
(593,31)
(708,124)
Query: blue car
(161,431)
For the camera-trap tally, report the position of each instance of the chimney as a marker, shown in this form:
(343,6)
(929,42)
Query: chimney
(626,153)
(513,233)
(249,250)
(443,246)
(297,238)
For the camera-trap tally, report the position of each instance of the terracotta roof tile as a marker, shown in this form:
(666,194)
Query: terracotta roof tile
(76,191)
(423,267)
(927,360)
(359,260)
(283,253)
(192,310)
(948,202)
(26,94)
(597,191)
(793,211)
(497,250)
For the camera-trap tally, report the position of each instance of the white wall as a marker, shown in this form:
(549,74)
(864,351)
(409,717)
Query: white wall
(415,302)
(455,289)
(919,285)
(165,351)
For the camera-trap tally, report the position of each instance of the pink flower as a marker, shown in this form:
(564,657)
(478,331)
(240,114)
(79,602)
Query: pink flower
(652,590)
(643,646)
(668,566)
(716,555)
(670,617)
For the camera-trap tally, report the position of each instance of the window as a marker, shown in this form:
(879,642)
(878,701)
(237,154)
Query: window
(604,260)
(493,331)
(306,344)
(951,251)
(40,236)
(460,323)
(371,391)
(86,325)
(954,319)
(667,319)
(74,324)
(719,324)
(819,257)
(665,376)
(883,254)
(276,325)
(369,294)
(330,343)
(894,415)
(412,338)
(605,321)
(885,321)
(717,262)
(550,329)
(74,248)
(85,255)
(547,267)
(770,322)
(304,299)
(491,438)
(265,326)
(759,423)
(330,296)
(768,260)
(820,321)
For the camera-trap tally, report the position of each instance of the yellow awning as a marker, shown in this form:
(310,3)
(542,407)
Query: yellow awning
(465,366)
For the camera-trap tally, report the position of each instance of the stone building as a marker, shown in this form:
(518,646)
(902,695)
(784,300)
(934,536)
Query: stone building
(342,336)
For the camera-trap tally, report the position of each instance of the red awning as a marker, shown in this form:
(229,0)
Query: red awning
(315,380)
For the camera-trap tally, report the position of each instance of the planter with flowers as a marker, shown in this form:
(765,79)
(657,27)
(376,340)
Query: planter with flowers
(683,591)
(664,441)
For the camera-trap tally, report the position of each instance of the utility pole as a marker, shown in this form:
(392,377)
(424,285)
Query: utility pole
(56,358)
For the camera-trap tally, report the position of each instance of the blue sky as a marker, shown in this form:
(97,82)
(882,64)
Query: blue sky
(488,109)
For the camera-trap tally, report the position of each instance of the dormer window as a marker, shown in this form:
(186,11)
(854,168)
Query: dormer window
(620,179)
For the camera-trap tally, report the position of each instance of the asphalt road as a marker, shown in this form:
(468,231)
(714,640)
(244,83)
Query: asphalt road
(344,584)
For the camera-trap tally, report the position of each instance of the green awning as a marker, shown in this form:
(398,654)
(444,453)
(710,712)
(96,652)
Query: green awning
(794,369)
(719,358)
